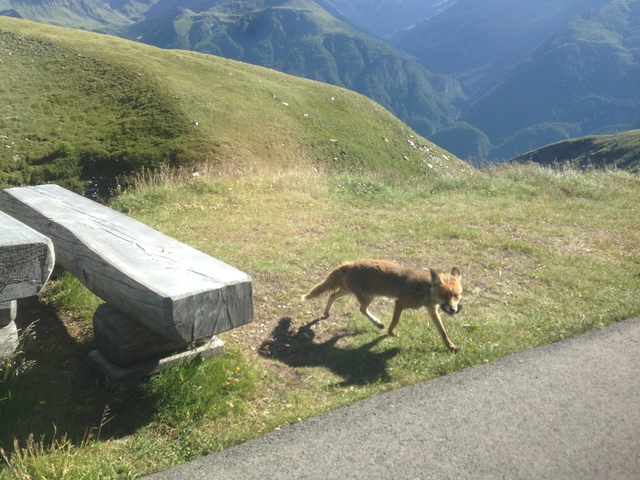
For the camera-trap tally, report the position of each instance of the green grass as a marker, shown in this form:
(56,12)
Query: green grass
(545,255)
(87,110)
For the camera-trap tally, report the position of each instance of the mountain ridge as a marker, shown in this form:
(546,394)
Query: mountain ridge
(385,18)
(478,41)
(620,150)
(301,38)
(88,14)
(582,81)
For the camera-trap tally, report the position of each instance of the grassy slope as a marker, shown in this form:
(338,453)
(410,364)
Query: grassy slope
(81,105)
(621,150)
(544,254)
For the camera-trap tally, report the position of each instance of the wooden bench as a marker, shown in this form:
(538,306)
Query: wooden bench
(26,262)
(161,294)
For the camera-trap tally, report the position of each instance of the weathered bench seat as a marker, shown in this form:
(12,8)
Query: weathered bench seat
(26,259)
(26,262)
(174,290)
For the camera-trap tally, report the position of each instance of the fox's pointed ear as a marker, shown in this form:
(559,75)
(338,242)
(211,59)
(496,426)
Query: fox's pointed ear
(435,278)
(455,272)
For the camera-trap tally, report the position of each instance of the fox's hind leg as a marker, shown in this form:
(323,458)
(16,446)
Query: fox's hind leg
(364,308)
(332,298)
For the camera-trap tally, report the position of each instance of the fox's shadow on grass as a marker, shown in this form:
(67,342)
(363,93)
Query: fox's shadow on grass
(296,348)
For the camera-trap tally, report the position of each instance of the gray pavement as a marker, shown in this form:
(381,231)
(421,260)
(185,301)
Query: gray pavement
(570,410)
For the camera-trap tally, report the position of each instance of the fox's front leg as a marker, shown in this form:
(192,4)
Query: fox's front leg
(433,313)
(397,311)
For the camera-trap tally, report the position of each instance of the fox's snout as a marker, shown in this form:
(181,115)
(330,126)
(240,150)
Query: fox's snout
(450,309)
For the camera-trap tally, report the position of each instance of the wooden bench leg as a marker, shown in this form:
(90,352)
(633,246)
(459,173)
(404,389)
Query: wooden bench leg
(8,312)
(9,340)
(123,340)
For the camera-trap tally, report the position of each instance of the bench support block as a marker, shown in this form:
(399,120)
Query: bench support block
(131,373)
(123,341)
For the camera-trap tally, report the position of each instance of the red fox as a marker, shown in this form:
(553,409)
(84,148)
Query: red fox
(367,279)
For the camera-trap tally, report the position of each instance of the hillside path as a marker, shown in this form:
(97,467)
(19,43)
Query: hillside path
(569,410)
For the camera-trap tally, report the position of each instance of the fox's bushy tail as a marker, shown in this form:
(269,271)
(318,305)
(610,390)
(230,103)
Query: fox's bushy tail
(332,282)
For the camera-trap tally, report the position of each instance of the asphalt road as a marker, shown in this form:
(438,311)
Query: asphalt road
(570,410)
